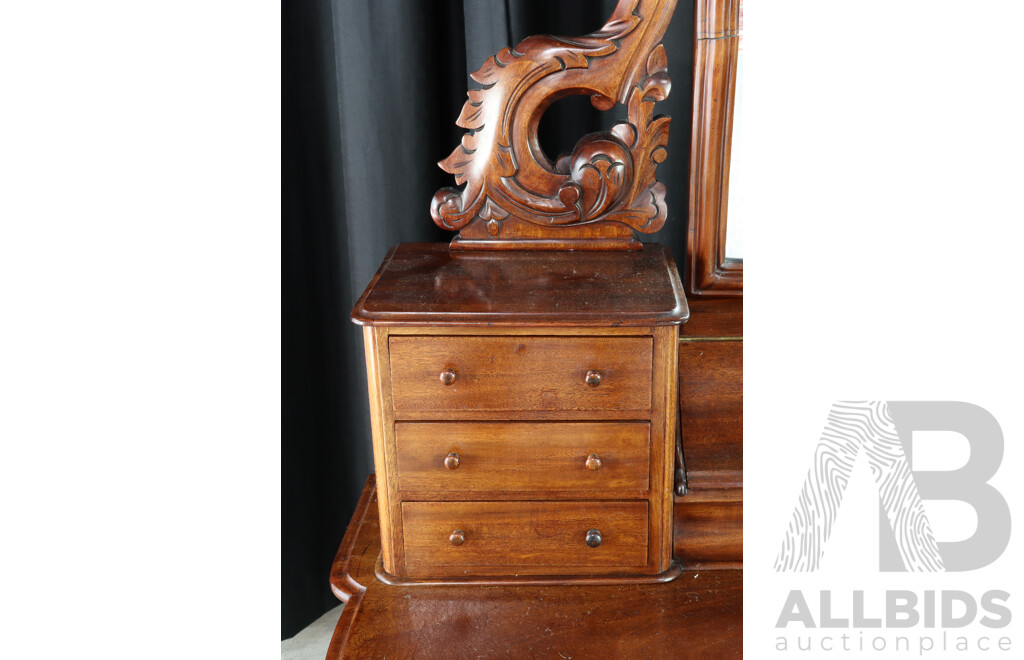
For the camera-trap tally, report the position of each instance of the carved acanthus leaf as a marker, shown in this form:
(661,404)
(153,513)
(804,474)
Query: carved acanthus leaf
(608,176)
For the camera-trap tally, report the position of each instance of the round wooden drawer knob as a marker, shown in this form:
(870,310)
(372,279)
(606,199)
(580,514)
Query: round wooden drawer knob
(451,461)
(594,538)
(593,462)
(593,378)
(458,537)
(448,376)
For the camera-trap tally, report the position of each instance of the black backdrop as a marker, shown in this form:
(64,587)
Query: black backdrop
(371,90)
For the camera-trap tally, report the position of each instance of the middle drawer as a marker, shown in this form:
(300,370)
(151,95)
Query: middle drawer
(453,460)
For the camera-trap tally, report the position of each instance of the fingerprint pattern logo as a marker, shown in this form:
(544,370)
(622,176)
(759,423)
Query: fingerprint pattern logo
(853,426)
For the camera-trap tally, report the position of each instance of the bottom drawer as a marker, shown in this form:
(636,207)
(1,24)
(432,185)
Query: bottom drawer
(464,538)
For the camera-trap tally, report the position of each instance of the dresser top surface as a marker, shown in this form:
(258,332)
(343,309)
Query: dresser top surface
(425,283)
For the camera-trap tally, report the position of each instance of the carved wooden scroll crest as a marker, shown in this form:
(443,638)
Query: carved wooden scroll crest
(513,196)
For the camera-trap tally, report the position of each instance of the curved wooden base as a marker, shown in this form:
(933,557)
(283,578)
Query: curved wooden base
(674,571)
(697,615)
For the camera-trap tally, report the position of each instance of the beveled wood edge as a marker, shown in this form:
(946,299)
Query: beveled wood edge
(714,566)
(663,423)
(395,520)
(547,495)
(715,50)
(715,480)
(509,415)
(729,531)
(676,316)
(378,373)
(343,585)
(701,495)
(525,331)
(716,19)
(554,244)
(677,285)
(356,315)
(674,570)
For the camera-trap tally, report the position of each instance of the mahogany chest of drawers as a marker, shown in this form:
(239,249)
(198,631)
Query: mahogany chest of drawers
(523,410)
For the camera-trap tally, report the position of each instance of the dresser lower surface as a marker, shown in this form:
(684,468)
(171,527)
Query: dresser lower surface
(699,614)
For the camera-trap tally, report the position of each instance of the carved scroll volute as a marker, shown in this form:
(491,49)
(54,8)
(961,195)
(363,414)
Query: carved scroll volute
(593,198)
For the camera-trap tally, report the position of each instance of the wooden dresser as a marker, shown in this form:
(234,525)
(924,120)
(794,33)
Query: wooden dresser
(524,406)
(525,383)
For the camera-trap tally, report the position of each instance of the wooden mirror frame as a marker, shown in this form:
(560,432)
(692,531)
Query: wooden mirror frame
(716,51)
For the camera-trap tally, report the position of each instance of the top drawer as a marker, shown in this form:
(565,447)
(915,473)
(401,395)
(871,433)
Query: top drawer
(521,373)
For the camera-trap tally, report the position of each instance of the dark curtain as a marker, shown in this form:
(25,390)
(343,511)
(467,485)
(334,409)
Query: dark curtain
(371,90)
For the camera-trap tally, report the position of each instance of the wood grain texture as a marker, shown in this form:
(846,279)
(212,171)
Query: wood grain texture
(714,91)
(662,357)
(525,331)
(716,19)
(711,403)
(663,436)
(425,284)
(522,459)
(709,529)
(698,615)
(522,415)
(715,480)
(378,375)
(603,578)
(708,520)
(496,339)
(521,373)
(601,192)
(531,538)
(714,318)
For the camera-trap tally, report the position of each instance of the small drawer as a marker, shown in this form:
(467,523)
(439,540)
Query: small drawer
(459,460)
(516,373)
(453,538)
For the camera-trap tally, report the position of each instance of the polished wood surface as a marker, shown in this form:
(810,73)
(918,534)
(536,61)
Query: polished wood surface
(466,350)
(425,284)
(486,460)
(382,425)
(714,318)
(698,615)
(708,519)
(708,530)
(716,19)
(711,400)
(503,538)
(663,436)
(593,198)
(709,272)
(521,373)
(647,364)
